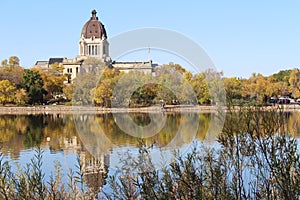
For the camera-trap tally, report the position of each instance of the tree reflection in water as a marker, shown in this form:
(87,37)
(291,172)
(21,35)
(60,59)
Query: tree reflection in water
(102,136)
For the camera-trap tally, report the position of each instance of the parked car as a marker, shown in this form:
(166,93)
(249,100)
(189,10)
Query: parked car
(273,100)
(284,100)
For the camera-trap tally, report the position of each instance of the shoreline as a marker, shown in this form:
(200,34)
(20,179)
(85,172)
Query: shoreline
(61,109)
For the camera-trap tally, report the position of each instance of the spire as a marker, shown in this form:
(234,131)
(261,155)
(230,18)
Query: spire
(94,13)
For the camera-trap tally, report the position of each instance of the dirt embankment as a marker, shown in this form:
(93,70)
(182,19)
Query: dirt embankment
(95,110)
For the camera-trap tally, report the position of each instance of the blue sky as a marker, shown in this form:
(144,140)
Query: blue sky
(241,37)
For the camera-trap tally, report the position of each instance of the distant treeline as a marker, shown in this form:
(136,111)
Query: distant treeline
(170,84)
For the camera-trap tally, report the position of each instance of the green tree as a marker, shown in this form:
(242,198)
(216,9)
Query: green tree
(282,76)
(7,90)
(33,84)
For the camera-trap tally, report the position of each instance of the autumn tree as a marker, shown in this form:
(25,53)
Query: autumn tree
(103,93)
(7,92)
(170,78)
(10,70)
(200,86)
(233,89)
(21,97)
(68,91)
(4,63)
(215,86)
(57,67)
(14,61)
(53,83)
(294,82)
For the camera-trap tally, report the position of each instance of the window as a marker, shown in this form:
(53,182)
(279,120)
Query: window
(96,49)
(93,50)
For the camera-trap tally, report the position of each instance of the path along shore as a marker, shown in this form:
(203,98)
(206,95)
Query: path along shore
(98,110)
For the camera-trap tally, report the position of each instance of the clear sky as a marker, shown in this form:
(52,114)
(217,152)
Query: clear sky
(241,37)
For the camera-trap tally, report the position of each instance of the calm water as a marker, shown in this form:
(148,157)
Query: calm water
(106,141)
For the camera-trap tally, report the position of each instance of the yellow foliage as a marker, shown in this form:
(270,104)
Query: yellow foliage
(7,91)
(21,97)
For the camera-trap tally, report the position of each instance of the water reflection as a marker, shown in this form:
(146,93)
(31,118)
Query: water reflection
(102,137)
(59,132)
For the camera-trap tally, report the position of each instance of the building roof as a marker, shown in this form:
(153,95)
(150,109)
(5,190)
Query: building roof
(39,63)
(54,60)
(93,28)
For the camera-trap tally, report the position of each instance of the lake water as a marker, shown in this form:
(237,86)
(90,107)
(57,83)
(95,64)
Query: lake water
(107,142)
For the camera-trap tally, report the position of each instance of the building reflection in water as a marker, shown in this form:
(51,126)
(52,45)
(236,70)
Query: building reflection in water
(94,167)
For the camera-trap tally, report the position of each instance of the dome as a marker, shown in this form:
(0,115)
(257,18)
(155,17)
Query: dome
(93,28)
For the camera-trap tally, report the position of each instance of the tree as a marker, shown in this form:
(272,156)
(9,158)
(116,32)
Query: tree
(53,83)
(57,67)
(4,63)
(68,91)
(232,88)
(172,79)
(13,74)
(83,85)
(21,97)
(14,61)
(7,91)
(33,84)
(200,87)
(282,76)
(93,66)
(255,87)
(294,82)
(103,93)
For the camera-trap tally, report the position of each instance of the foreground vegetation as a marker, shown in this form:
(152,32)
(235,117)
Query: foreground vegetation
(172,83)
(255,158)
